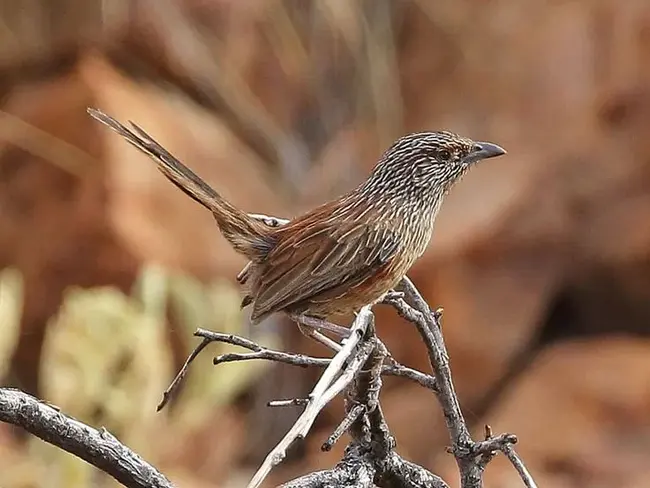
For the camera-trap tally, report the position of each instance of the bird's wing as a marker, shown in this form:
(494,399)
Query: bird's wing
(315,262)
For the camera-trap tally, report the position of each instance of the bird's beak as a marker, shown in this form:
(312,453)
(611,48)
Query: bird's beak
(484,150)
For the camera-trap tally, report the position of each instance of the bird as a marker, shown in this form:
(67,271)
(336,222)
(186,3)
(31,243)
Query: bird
(343,254)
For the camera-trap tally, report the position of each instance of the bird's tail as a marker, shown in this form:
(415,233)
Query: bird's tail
(247,235)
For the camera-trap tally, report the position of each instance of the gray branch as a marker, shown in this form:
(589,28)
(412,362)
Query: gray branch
(471,457)
(372,447)
(516,461)
(330,384)
(95,446)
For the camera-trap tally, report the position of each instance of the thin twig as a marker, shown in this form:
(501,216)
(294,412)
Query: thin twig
(290,402)
(429,329)
(95,446)
(352,416)
(398,369)
(519,466)
(471,456)
(171,389)
(269,355)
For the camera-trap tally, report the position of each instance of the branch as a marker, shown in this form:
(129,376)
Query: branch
(471,456)
(428,326)
(351,417)
(354,471)
(372,442)
(97,447)
(290,402)
(400,473)
(516,461)
(324,391)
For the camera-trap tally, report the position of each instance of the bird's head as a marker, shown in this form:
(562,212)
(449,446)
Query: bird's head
(429,162)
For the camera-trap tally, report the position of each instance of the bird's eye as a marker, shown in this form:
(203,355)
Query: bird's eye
(444,154)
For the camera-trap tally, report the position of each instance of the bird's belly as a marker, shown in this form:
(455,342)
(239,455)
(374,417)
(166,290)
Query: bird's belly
(351,301)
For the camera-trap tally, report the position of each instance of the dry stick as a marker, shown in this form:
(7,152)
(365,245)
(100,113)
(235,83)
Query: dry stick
(429,328)
(208,337)
(351,417)
(267,354)
(322,393)
(493,443)
(95,446)
(290,402)
(516,461)
(167,394)
(295,359)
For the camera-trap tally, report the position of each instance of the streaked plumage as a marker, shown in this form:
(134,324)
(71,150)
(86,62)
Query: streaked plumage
(348,252)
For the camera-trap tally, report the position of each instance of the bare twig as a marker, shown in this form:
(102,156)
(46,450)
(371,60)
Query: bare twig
(429,329)
(167,394)
(352,416)
(95,446)
(278,356)
(493,444)
(397,369)
(516,461)
(291,402)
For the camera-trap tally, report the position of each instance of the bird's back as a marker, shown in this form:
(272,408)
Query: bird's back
(326,261)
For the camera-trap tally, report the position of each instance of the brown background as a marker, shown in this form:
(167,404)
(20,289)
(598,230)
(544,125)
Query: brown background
(541,259)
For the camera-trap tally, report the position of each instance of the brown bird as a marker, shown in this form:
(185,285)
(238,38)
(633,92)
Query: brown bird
(346,253)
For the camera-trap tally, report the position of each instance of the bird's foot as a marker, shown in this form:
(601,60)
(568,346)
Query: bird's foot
(391,295)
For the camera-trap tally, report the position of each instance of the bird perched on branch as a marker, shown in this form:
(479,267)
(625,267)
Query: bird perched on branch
(346,253)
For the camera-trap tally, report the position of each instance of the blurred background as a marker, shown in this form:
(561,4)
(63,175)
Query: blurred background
(541,259)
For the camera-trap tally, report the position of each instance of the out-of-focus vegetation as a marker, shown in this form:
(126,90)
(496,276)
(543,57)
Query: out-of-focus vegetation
(11,301)
(107,358)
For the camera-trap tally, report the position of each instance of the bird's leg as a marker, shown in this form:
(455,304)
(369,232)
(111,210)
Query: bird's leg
(320,324)
(318,337)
